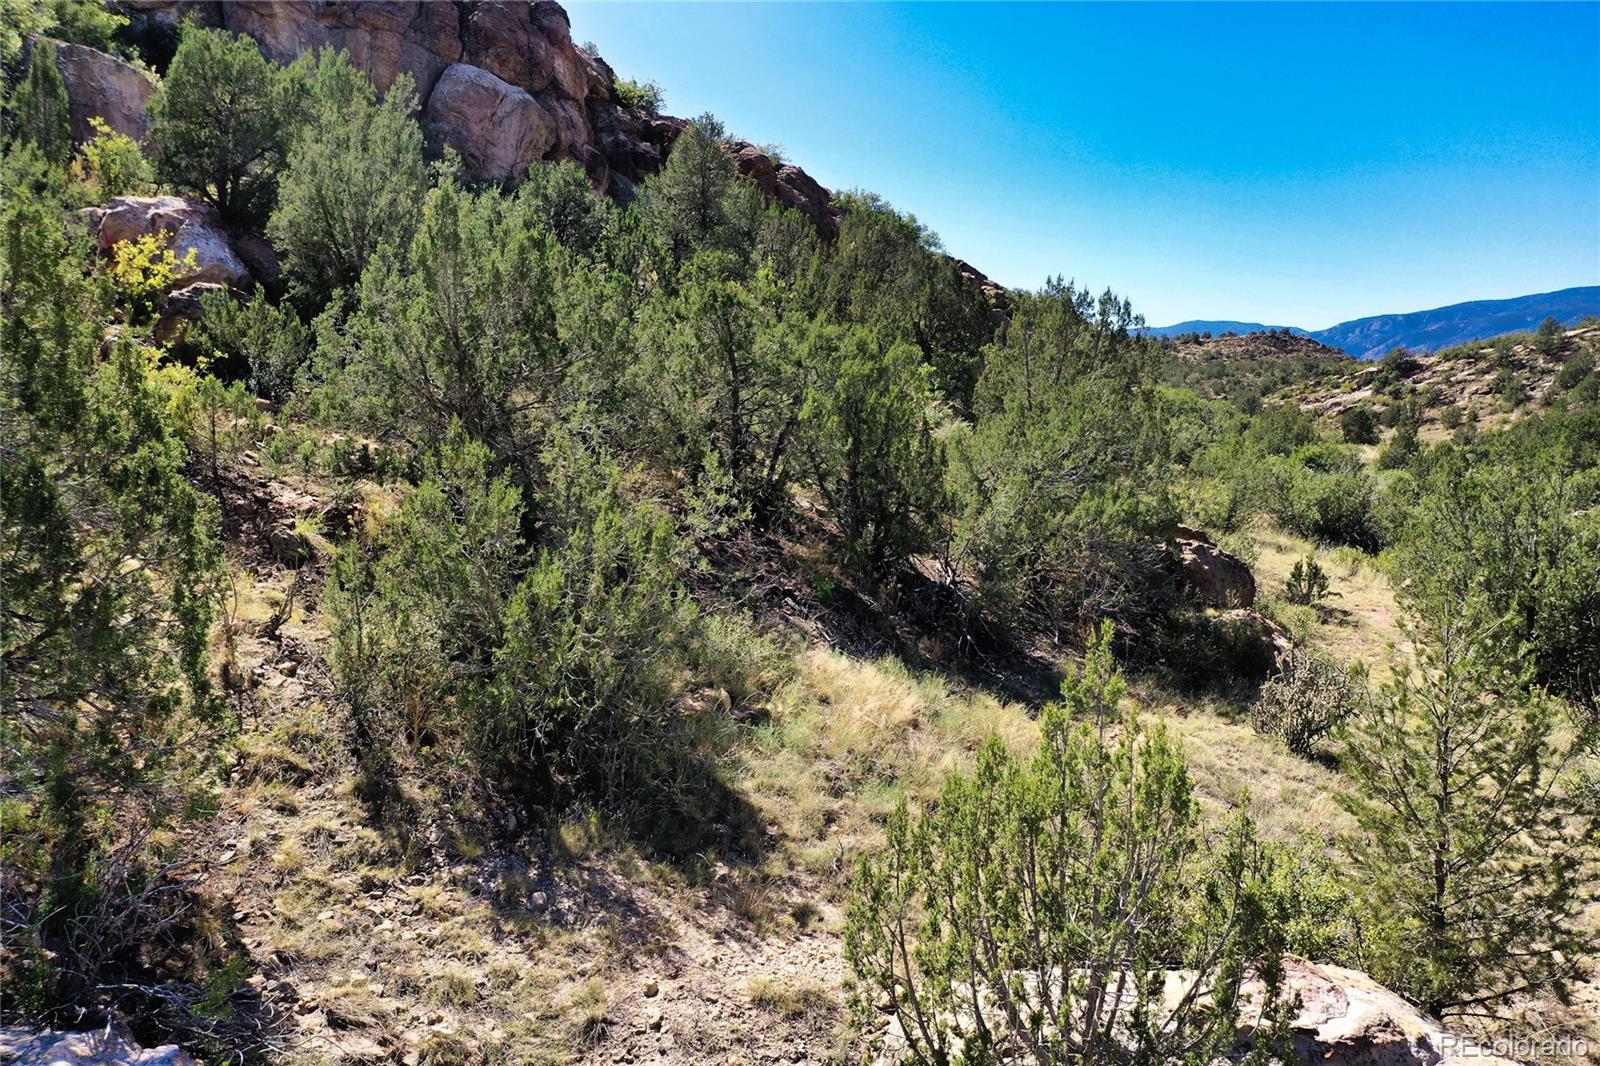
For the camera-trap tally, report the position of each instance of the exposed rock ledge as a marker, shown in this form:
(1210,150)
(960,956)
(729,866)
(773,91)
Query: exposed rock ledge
(98,1047)
(1345,1018)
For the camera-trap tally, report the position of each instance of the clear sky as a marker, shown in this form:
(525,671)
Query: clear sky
(1289,164)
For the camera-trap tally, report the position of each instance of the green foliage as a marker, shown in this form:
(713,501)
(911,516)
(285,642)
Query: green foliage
(732,372)
(1509,386)
(112,163)
(1307,583)
(460,330)
(643,95)
(1358,426)
(1308,699)
(1281,428)
(1332,505)
(109,586)
(695,203)
(1477,849)
(1061,889)
(872,453)
(144,269)
(354,182)
(255,339)
(1575,369)
(1059,469)
(1514,528)
(38,106)
(1549,337)
(563,199)
(221,122)
(1403,447)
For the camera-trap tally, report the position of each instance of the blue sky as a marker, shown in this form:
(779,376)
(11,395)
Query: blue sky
(1297,164)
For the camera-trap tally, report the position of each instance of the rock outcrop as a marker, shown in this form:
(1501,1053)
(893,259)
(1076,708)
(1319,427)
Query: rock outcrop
(103,85)
(1343,1018)
(1348,1019)
(191,226)
(98,1047)
(1216,577)
(498,128)
(501,81)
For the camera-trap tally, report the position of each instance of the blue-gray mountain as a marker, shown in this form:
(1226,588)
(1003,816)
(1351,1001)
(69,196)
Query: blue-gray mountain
(1426,331)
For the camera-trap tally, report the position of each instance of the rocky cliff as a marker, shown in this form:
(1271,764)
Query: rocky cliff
(501,81)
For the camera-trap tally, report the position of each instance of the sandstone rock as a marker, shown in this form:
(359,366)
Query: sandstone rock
(291,548)
(1348,1019)
(1218,578)
(1343,1018)
(192,226)
(498,128)
(528,45)
(100,1047)
(182,310)
(385,38)
(103,85)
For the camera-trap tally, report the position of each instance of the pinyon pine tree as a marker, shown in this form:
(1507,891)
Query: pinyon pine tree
(1034,915)
(1474,833)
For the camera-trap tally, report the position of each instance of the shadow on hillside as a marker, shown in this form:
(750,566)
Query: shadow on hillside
(917,614)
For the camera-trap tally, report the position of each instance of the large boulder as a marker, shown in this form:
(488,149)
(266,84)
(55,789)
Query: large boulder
(1216,577)
(103,85)
(498,128)
(97,1047)
(191,226)
(1346,1018)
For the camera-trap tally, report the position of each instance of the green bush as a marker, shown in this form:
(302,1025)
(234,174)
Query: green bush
(1307,583)
(111,580)
(221,121)
(1574,370)
(1358,425)
(38,106)
(254,338)
(1084,867)
(643,95)
(112,163)
(1479,851)
(353,182)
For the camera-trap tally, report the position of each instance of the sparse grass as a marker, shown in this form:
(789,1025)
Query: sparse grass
(794,999)
(1358,623)
(454,986)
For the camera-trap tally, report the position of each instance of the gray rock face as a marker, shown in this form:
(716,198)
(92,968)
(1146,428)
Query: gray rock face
(103,85)
(100,1047)
(498,128)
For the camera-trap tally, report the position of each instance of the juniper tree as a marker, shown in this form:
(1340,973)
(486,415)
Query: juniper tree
(221,121)
(108,581)
(39,105)
(354,181)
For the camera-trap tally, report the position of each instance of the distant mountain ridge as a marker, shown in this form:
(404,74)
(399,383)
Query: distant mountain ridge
(1426,331)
